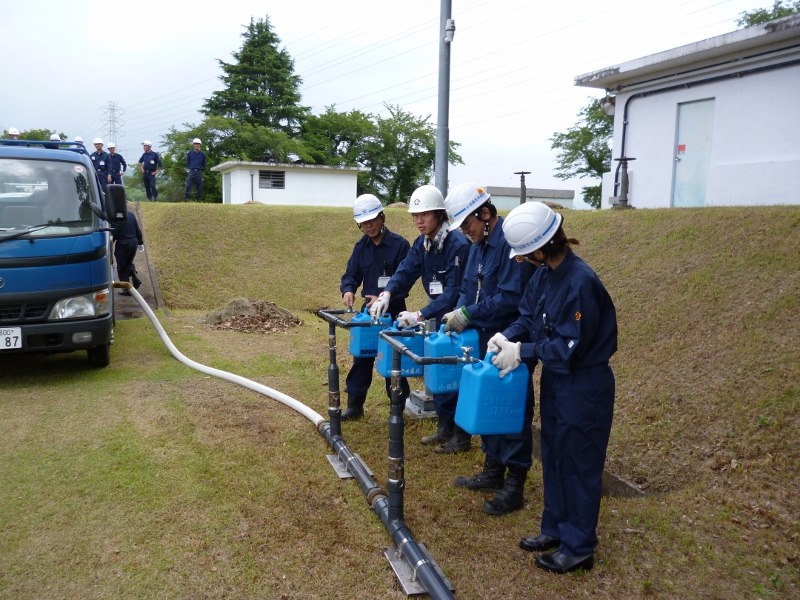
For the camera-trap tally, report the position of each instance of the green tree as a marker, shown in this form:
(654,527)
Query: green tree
(762,15)
(339,139)
(583,150)
(401,156)
(258,117)
(261,88)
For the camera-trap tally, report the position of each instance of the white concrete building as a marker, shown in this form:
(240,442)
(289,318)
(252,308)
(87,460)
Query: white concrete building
(506,198)
(714,123)
(287,183)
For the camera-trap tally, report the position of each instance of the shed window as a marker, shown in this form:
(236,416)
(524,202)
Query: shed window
(275,180)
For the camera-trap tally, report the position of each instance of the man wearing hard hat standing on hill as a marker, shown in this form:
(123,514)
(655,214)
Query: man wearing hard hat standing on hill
(118,164)
(101,161)
(195,165)
(150,163)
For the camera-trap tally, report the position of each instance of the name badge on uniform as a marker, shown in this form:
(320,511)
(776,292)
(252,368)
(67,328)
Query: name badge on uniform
(383,281)
(102,162)
(435,288)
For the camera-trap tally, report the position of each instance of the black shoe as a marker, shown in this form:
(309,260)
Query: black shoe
(540,543)
(481,481)
(454,446)
(443,434)
(558,562)
(137,283)
(125,293)
(352,414)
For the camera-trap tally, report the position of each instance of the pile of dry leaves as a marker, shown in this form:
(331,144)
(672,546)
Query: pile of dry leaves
(252,316)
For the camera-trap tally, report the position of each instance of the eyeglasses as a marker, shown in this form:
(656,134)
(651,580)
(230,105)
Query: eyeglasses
(368,223)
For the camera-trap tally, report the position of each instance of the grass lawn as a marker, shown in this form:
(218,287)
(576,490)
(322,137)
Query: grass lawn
(148,479)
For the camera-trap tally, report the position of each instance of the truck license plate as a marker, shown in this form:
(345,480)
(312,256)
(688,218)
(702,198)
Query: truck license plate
(10,338)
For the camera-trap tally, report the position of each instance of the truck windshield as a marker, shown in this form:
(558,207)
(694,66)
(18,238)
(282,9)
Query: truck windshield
(44,198)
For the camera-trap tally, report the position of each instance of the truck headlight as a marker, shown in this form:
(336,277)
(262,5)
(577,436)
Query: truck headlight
(84,306)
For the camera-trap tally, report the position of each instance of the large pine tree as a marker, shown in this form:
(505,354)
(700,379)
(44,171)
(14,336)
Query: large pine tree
(261,88)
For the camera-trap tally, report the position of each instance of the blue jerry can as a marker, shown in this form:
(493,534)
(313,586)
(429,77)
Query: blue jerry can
(408,368)
(489,405)
(442,378)
(364,340)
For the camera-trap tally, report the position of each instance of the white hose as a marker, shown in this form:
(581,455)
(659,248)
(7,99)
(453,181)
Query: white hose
(296,405)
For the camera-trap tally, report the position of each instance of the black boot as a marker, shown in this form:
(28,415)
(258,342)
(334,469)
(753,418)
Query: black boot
(510,498)
(460,442)
(444,432)
(491,478)
(355,407)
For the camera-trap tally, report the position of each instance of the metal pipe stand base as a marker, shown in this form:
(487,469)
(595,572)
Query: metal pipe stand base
(419,405)
(407,576)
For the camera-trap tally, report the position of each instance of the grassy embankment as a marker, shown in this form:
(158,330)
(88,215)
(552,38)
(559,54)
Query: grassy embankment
(148,479)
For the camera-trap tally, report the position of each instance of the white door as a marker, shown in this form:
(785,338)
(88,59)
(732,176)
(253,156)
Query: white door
(226,189)
(692,153)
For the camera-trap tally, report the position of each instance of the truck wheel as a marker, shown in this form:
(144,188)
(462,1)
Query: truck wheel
(99,356)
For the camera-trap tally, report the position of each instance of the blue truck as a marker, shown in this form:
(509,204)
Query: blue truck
(56,258)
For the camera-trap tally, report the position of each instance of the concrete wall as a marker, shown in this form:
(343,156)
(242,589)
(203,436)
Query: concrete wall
(506,198)
(755,154)
(304,185)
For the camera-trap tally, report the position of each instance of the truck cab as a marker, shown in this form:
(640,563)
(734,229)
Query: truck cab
(56,271)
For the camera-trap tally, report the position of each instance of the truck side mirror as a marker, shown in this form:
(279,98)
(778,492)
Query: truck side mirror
(116,202)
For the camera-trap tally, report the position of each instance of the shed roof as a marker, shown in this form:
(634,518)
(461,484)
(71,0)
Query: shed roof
(241,164)
(768,38)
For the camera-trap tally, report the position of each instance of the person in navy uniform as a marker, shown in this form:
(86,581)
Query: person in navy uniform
(436,257)
(195,165)
(127,240)
(491,290)
(102,162)
(374,260)
(569,324)
(118,164)
(150,163)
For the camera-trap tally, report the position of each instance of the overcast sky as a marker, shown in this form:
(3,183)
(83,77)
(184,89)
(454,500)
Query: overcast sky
(513,65)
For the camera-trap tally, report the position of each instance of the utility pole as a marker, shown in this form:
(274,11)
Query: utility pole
(447,28)
(523,192)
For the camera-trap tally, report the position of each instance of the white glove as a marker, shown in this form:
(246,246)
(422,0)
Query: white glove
(508,358)
(494,342)
(140,247)
(408,319)
(456,320)
(380,306)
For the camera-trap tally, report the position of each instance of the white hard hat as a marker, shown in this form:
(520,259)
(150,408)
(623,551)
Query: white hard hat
(463,200)
(530,226)
(78,138)
(425,198)
(196,141)
(13,131)
(98,141)
(111,145)
(366,207)
(147,143)
(54,137)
